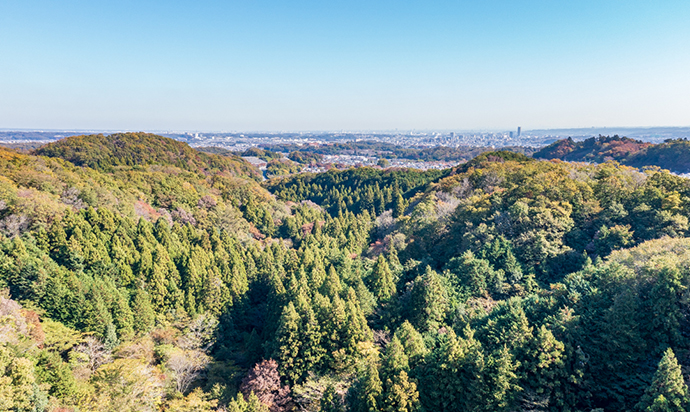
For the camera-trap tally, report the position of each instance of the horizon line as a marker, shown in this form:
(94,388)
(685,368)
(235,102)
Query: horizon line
(334,131)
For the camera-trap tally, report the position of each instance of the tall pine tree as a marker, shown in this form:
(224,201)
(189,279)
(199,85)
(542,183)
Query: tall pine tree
(383,283)
(668,391)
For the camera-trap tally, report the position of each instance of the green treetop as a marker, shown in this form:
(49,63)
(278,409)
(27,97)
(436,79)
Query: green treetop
(668,391)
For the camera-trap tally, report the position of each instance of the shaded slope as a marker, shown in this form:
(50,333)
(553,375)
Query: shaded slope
(673,155)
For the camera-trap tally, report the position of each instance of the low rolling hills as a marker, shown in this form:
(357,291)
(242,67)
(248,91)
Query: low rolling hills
(673,155)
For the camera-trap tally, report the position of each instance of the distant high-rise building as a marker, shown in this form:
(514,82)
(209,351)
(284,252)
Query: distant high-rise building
(519,130)
(452,135)
(511,135)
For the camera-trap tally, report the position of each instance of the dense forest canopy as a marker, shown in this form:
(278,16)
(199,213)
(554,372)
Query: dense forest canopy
(171,280)
(673,155)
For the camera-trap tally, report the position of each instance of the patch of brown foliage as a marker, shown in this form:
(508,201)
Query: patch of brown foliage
(264,381)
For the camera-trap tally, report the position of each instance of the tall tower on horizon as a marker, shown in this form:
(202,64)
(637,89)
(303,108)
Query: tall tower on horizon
(519,130)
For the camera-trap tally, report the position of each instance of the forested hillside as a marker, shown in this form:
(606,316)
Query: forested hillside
(673,155)
(170,280)
(131,149)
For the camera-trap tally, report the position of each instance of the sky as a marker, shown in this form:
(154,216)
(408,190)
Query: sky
(286,65)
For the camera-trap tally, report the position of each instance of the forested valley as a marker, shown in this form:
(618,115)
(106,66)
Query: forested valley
(138,274)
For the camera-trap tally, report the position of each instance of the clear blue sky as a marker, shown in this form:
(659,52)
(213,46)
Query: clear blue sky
(330,65)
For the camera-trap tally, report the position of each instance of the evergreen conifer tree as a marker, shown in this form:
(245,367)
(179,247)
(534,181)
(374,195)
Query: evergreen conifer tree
(542,369)
(400,394)
(383,283)
(370,390)
(429,301)
(395,359)
(332,286)
(122,315)
(143,315)
(288,343)
(413,342)
(398,203)
(502,381)
(329,401)
(311,350)
(668,391)
(110,340)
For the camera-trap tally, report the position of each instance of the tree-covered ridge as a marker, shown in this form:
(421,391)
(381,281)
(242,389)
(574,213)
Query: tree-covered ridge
(37,191)
(7,154)
(265,155)
(485,158)
(505,284)
(548,213)
(140,149)
(595,149)
(305,157)
(672,155)
(282,167)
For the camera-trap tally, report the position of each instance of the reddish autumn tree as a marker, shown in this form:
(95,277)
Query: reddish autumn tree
(264,381)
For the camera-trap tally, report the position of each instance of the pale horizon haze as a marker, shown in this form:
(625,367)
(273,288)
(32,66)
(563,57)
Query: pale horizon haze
(354,65)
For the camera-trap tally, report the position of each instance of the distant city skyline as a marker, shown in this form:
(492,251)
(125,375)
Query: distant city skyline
(456,137)
(325,66)
(621,130)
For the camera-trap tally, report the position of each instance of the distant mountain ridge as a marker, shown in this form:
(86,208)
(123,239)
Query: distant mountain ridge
(673,155)
(105,153)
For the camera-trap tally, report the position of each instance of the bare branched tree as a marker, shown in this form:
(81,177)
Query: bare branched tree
(187,366)
(200,334)
(385,224)
(207,202)
(14,225)
(95,351)
(183,216)
(12,323)
(463,190)
(70,197)
(382,338)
